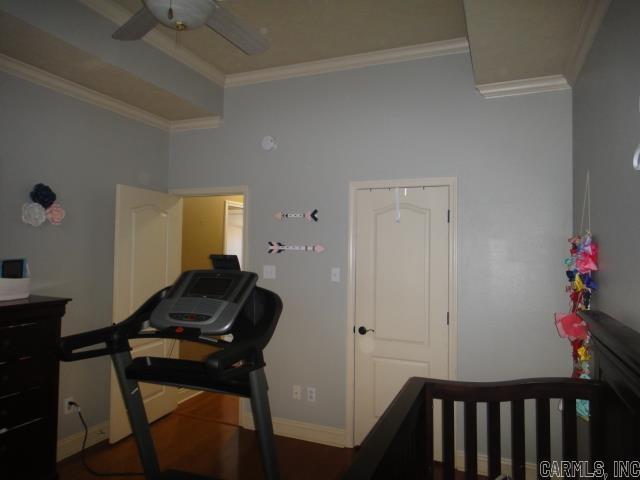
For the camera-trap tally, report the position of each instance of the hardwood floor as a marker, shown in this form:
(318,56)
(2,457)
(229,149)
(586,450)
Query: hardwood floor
(200,437)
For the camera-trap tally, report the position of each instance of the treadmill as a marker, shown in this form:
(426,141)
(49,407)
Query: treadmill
(222,308)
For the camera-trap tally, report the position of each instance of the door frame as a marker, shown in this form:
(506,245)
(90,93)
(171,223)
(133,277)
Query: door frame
(225,191)
(238,206)
(450,182)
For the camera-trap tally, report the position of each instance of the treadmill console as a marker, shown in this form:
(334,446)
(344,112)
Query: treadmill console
(209,300)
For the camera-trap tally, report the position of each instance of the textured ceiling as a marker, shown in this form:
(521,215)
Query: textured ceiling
(307,30)
(509,40)
(30,45)
(519,39)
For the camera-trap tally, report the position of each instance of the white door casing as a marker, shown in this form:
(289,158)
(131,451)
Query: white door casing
(147,258)
(402,292)
(233,225)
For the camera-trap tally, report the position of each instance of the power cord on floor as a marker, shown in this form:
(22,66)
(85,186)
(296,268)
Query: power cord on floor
(82,452)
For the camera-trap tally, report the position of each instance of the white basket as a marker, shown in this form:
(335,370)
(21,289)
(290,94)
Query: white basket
(14,288)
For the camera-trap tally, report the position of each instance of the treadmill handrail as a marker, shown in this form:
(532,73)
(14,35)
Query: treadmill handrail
(115,337)
(171,333)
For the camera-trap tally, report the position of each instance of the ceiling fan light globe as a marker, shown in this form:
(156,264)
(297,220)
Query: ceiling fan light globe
(187,14)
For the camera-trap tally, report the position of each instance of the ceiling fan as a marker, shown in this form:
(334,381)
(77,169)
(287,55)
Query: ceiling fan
(189,15)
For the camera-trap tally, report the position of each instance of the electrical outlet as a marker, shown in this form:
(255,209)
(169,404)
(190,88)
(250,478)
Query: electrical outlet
(311,394)
(297,392)
(68,406)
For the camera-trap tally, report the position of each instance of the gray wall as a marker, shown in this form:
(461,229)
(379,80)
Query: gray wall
(81,152)
(606,133)
(512,157)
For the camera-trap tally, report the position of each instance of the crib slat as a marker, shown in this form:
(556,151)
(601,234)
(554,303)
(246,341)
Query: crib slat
(428,427)
(448,447)
(543,430)
(470,441)
(493,438)
(517,439)
(569,429)
(596,429)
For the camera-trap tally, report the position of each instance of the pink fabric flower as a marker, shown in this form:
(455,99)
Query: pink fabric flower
(571,326)
(55,214)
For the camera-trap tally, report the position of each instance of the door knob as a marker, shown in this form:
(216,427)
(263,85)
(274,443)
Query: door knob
(364,330)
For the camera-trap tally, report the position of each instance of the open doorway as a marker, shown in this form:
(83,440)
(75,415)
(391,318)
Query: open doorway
(211,225)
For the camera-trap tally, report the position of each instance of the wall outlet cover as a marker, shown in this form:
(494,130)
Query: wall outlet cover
(269,272)
(311,394)
(297,392)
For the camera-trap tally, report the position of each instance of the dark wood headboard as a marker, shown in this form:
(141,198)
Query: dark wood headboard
(616,351)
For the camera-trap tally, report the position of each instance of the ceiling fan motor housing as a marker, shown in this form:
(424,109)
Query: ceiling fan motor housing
(185,14)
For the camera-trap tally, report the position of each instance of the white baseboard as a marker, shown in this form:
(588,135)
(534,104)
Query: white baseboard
(185,394)
(308,432)
(531,469)
(73,443)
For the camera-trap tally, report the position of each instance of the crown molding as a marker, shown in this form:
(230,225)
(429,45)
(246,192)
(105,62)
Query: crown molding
(67,87)
(75,90)
(393,55)
(120,15)
(591,21)
(524,86)
(195,124)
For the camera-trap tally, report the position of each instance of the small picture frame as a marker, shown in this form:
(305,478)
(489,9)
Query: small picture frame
(16,268)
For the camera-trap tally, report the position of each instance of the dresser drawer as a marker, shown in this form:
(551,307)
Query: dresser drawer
(19,408)
(27,338)
(19,375)
(25,452)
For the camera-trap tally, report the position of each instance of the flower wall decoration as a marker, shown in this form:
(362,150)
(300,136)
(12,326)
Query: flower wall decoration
(43,195)
(33,214)
(55,214)
(42,207)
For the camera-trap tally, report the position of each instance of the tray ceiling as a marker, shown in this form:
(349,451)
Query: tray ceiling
(517,46)
(309,30)
(32,46)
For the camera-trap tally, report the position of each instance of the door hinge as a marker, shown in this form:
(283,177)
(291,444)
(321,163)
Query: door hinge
(447,318)
(448,216)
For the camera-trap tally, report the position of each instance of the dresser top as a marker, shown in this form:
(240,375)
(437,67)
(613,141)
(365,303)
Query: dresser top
(32,301)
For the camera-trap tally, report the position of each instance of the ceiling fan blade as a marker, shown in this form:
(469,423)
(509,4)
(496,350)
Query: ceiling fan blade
(137,26)
(243,36)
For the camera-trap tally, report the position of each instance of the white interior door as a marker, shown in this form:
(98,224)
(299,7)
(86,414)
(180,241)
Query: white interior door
(147,256)
(402,295)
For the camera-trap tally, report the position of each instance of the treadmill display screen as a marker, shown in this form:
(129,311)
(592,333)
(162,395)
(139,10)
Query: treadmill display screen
(212,287)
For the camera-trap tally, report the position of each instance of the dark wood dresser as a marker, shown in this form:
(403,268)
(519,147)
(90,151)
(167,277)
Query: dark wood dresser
(29,334)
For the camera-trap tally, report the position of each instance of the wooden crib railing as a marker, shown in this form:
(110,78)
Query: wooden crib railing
(400,445)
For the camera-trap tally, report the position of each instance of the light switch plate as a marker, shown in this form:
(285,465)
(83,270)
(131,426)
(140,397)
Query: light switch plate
(335,274)
(268,272)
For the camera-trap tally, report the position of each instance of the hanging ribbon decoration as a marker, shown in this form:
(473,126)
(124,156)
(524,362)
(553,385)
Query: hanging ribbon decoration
(397,192)
(579,271)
